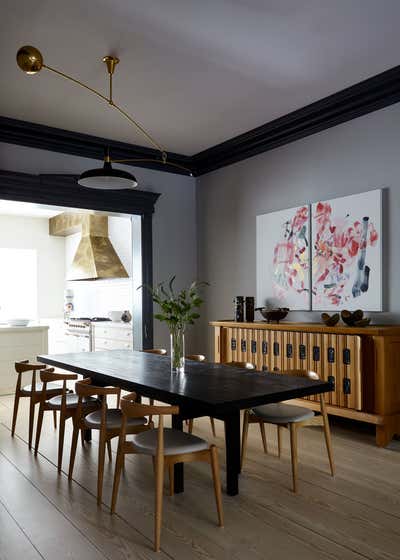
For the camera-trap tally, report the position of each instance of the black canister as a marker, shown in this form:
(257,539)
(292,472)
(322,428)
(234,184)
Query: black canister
(249,309)
(239,309)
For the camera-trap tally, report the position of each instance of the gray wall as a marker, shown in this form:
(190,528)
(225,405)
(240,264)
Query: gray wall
(357,156)
(174,221)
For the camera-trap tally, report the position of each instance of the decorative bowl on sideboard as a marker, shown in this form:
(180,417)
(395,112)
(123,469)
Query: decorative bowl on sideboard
(273,315)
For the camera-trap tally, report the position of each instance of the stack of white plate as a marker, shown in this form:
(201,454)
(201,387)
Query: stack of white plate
(18,322)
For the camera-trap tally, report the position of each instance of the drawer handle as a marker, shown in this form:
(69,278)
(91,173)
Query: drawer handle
(346,385)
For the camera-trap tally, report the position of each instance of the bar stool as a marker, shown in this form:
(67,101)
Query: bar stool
(167,447)
(106,420)
(292,417)
(33,392)
(200,358)
(65,403)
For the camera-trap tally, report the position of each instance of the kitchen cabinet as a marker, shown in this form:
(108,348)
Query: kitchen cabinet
(112,336)
(16,344)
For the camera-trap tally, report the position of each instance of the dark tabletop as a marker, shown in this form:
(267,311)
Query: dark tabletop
(203,385)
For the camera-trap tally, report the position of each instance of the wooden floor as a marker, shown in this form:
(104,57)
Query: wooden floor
(354,516)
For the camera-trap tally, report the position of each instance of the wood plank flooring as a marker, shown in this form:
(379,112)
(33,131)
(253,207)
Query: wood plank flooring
(354,516)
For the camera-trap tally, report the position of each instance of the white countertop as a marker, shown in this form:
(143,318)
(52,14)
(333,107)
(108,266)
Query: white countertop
(31,327)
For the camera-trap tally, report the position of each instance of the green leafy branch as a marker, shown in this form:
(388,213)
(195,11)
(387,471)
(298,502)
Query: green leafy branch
(177,309)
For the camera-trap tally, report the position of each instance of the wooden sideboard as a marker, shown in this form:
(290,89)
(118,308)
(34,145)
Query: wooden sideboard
(362,364)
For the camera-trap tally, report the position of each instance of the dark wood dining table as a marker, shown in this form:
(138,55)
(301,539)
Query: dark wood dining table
(204,389)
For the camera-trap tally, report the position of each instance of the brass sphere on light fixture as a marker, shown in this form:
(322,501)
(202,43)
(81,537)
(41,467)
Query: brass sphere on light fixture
(29,59)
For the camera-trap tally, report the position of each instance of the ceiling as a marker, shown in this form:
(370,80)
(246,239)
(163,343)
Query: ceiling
(195,73)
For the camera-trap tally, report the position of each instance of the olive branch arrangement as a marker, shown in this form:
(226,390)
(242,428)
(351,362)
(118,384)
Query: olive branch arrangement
(177,309)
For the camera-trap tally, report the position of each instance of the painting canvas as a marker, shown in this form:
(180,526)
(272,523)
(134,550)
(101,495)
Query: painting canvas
(283,259)
(347,253)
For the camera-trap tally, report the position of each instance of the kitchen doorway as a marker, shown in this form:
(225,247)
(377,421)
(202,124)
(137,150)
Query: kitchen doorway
(38,281)
(63,191)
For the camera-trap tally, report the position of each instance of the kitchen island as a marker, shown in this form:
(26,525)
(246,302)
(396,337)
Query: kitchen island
(16,344)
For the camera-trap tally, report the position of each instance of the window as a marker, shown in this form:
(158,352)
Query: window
(18,284)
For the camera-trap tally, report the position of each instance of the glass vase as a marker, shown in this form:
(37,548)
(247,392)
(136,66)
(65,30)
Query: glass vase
(177,350)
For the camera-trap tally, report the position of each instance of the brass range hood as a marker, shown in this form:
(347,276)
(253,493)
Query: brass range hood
(95,257)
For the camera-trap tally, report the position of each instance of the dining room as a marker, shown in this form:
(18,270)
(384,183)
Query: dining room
(246,402)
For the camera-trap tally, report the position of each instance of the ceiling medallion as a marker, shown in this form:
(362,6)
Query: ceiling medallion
(30,60)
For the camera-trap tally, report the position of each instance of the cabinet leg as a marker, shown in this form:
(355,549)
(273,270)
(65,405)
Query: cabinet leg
(386,431)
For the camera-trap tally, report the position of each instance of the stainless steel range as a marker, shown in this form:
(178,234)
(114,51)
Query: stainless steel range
(79,333)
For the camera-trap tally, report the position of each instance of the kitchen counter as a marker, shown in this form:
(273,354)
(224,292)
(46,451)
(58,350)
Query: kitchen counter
(4,328)
(17,344)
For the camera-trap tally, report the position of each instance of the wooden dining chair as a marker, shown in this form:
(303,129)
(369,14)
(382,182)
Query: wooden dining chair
(65,403)
(158,352)
(167,447)
(106,420)
(33,392)
(292,417)
(200,358)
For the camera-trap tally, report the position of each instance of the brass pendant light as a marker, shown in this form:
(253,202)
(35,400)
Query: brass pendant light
(30,60)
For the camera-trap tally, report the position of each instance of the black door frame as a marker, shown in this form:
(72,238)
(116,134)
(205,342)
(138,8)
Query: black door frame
(63,190)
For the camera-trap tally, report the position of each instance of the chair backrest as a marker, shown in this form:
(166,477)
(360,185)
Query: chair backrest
(49,376)
(25,366)
(158,351)
(196,357)
(242,365)
(132,409)
(84,389)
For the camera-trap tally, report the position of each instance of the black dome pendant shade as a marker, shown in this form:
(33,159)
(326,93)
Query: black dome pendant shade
(107,178)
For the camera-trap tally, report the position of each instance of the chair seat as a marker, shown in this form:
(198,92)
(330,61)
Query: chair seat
(71,401)
(281,413)
(113,420)
(175,442)
(51,388)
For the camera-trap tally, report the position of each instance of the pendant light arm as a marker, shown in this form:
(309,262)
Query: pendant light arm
(110,102)
(78,82)
(158,146)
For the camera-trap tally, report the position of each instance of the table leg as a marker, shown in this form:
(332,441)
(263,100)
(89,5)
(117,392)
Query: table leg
(88,435)
(177,424)
(232,449)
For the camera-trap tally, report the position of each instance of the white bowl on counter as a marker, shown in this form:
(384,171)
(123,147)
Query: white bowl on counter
(18,322)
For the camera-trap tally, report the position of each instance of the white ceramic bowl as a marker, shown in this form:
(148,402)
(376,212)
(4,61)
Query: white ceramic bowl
(115,315)
(18,322)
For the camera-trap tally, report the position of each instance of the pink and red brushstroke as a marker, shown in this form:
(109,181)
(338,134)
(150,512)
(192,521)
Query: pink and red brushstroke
(340,247)
(291,257)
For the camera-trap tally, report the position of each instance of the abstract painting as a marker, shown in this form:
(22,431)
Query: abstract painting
(347,253)
(283,259)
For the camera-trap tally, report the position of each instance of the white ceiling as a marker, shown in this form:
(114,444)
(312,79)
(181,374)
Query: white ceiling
(194,72)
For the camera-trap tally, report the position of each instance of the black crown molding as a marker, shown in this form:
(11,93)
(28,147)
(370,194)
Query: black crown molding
(34,135)
(63,190)
(365,97)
